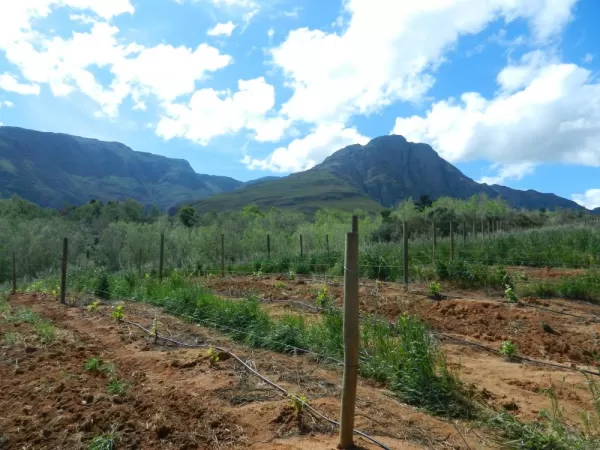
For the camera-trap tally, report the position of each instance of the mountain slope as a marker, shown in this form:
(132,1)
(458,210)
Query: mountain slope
(386,170)
(53,169)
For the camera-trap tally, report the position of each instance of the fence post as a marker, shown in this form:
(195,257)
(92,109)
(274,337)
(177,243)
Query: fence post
(162,257)
(268,246)
(301,248)
(434,240)
(405,251)
(63,274)
(223,255)
(327,243)
(451,241)
(355,224)
(14,273)
(351,339)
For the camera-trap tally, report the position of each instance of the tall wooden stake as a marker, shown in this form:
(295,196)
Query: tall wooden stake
(268,246)
(327,243)
(162,257)
(351,340)
(63,273)
(451,241)
(405,249)
(301,248)
(223,255)
(355,224)
(14,273)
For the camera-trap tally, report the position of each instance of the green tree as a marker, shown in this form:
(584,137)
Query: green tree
(187,216)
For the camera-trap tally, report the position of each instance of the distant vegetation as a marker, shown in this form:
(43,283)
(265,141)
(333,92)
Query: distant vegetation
(116,235)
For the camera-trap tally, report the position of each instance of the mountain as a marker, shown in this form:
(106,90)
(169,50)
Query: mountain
(380,174)
(53,169)
(259,180)
(596,211)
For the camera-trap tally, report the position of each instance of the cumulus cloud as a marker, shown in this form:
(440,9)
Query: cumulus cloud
(546,113)
(509,172)
(590,198)
(306,152)
(9,83)
(66,65)
(211,113)
(222,29)
(388,51)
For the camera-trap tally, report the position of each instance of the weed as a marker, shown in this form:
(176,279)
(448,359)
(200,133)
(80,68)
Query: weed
(104,442)
(118,313)
(92,365)
(508,349)
(93,306)
(116,387)
(11,338)
(292,275)
(279,285)
(213,357)
(154,329)
(435,290)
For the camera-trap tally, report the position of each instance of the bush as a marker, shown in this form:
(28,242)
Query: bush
(102,287)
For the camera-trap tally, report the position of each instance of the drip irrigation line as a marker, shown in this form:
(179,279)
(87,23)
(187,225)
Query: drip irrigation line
(258,375)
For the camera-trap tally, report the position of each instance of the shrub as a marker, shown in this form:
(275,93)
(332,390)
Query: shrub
(102,287)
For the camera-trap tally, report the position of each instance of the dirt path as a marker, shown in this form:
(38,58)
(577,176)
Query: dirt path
(175,398)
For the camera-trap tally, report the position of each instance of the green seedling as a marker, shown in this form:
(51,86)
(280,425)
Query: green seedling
(117,313)
(213,357)
(154,329)
(279,285)
(104,442)
(292,275)
(435,290)
(324,300)
(92,365)
(297,403)
(511,295)
(508,349)
(94,306)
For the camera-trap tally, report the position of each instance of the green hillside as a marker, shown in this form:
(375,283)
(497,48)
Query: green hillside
(306,192)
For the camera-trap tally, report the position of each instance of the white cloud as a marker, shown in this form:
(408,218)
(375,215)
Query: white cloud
(66,65)
(509,172)
(588,58)
(548,113)
(212,113)
(222,29)
(9,83)
(590,198)
(306,152)
(388,50)
(7,104)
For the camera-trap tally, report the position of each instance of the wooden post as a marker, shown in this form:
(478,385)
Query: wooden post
(351,341)
(14,273)
(451,241)
(63,277)
(301,248)
(405,249)
(268,246)
(434,240)
(140,263)
(327,243)
(223,255)
(162,257)
(355,224)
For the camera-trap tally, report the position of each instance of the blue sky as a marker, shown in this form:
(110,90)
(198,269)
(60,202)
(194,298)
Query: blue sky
(507,90)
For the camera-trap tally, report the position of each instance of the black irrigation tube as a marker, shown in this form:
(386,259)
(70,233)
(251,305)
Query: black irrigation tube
(256,374)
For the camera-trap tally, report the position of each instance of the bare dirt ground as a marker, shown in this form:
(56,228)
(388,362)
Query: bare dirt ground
(556,331)
(174,398)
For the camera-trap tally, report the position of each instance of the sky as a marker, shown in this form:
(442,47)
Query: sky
(506,90)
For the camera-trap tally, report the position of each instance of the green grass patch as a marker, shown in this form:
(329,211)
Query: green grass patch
(579,287)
